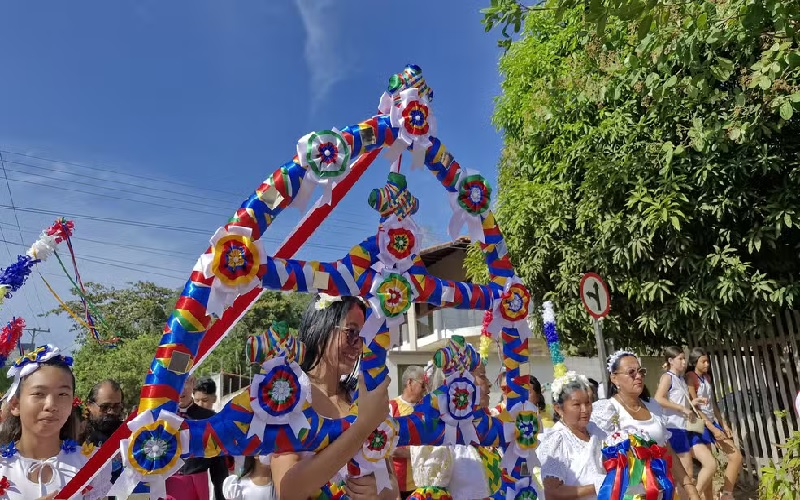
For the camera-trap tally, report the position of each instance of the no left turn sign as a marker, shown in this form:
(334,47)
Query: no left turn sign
(595,296)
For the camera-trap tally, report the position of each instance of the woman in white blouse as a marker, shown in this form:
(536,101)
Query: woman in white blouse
(570,452)
(626,411)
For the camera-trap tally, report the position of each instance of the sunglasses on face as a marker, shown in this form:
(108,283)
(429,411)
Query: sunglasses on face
(353,335)
(106,407)
(632,373)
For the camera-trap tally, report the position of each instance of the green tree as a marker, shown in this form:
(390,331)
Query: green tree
(137,315)
(662,155)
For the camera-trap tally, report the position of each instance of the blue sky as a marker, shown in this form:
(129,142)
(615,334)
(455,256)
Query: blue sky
(123,116)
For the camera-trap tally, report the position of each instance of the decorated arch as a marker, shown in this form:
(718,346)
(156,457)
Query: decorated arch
(275,414)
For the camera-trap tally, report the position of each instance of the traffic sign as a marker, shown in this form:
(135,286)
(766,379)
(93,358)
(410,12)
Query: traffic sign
(595,296)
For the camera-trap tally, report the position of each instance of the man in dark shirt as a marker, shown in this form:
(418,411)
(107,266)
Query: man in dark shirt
(105,416)
(191,482)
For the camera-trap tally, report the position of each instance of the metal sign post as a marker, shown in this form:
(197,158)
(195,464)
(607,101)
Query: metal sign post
(597,301)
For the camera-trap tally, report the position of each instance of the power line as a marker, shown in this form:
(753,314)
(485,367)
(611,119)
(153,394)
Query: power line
(143,177)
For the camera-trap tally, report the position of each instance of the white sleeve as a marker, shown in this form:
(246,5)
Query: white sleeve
(231,488)
(554,456)
(605,415)
(658,413)
(431,465)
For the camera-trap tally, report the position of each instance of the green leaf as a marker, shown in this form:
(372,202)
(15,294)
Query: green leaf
(670,82)
(786,110)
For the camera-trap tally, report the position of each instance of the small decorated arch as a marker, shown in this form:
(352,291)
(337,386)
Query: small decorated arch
(276,415)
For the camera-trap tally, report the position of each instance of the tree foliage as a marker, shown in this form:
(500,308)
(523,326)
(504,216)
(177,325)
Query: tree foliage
(137,315)
(662,155)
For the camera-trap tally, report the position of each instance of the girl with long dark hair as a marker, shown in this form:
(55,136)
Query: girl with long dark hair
(254,482)
(330,330)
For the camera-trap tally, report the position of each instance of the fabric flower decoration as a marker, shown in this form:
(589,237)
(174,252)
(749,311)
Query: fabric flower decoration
(391,296)
(152,453)
(470,200)
(5,484)
(376,449)
(522,489)
(278,396)
(25,365)
(522,434)
(457,404)
(237,261)
(326,157)
(511,309)
(9,337)
(416,124)
(398,243)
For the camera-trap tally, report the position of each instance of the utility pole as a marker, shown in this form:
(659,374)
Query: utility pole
(34,331)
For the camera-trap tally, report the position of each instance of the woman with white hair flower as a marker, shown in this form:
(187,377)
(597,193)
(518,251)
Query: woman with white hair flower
(570,452)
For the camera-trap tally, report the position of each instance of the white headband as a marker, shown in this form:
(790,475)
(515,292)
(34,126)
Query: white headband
(25,365)
(615,357)
(557,387)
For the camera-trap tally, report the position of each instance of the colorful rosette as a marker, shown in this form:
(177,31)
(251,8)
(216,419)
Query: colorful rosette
(152,453)
(376,449)
(469,201)
(237,261)
(391,296)
(457,404)
(430,493)
(9,338)
(522,489)
(551,336)
(326,157)
(398,243)
(416,124)
(278,396)
(522,434)
(511,309)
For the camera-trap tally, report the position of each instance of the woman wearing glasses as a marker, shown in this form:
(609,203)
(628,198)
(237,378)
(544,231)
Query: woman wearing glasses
(330,330)
(628,409)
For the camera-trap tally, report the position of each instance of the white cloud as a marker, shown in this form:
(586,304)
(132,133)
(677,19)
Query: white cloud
(327,58)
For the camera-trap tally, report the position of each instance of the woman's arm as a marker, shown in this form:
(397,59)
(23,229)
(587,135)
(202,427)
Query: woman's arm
(662,395)
(691,384)
(555,489)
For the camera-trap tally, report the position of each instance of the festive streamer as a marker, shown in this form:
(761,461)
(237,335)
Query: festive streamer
(551,336)
(9,338)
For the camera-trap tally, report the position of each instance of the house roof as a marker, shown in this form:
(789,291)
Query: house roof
(434,254)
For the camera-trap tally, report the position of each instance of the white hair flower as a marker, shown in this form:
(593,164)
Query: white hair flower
(615,357)
(557,387)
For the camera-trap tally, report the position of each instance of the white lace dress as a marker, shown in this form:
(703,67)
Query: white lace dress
(610,416)
(458,468)
(15,470)
(243,488)
(572,460)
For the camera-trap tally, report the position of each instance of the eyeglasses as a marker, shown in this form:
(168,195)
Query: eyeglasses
(633,372)
(353,335)
(106,407)
(423,383)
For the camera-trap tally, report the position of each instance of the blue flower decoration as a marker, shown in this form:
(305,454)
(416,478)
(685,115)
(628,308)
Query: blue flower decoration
(69,446)
(9,450)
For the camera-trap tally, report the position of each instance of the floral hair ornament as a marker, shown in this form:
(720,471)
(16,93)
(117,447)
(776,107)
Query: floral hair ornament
(325,301)
(612,360)
(557,388)
(26,365)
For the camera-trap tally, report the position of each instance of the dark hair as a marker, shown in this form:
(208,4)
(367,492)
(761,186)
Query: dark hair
(248,467)
(92,397)
(670,352)
(206,386)
(12,426)
(595,385)
(536,386)
(317,326)
(694,356)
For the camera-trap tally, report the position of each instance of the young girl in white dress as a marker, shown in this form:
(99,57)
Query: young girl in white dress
(40,454)
(570,452)
(625,410)
(254,482)
(673,396)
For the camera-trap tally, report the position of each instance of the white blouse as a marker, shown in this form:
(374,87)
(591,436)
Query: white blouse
(572,460)
(458,468)
(610,416)
(243,488)
(15,469)
(678,394)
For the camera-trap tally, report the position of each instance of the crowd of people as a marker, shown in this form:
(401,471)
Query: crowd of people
(45,437)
